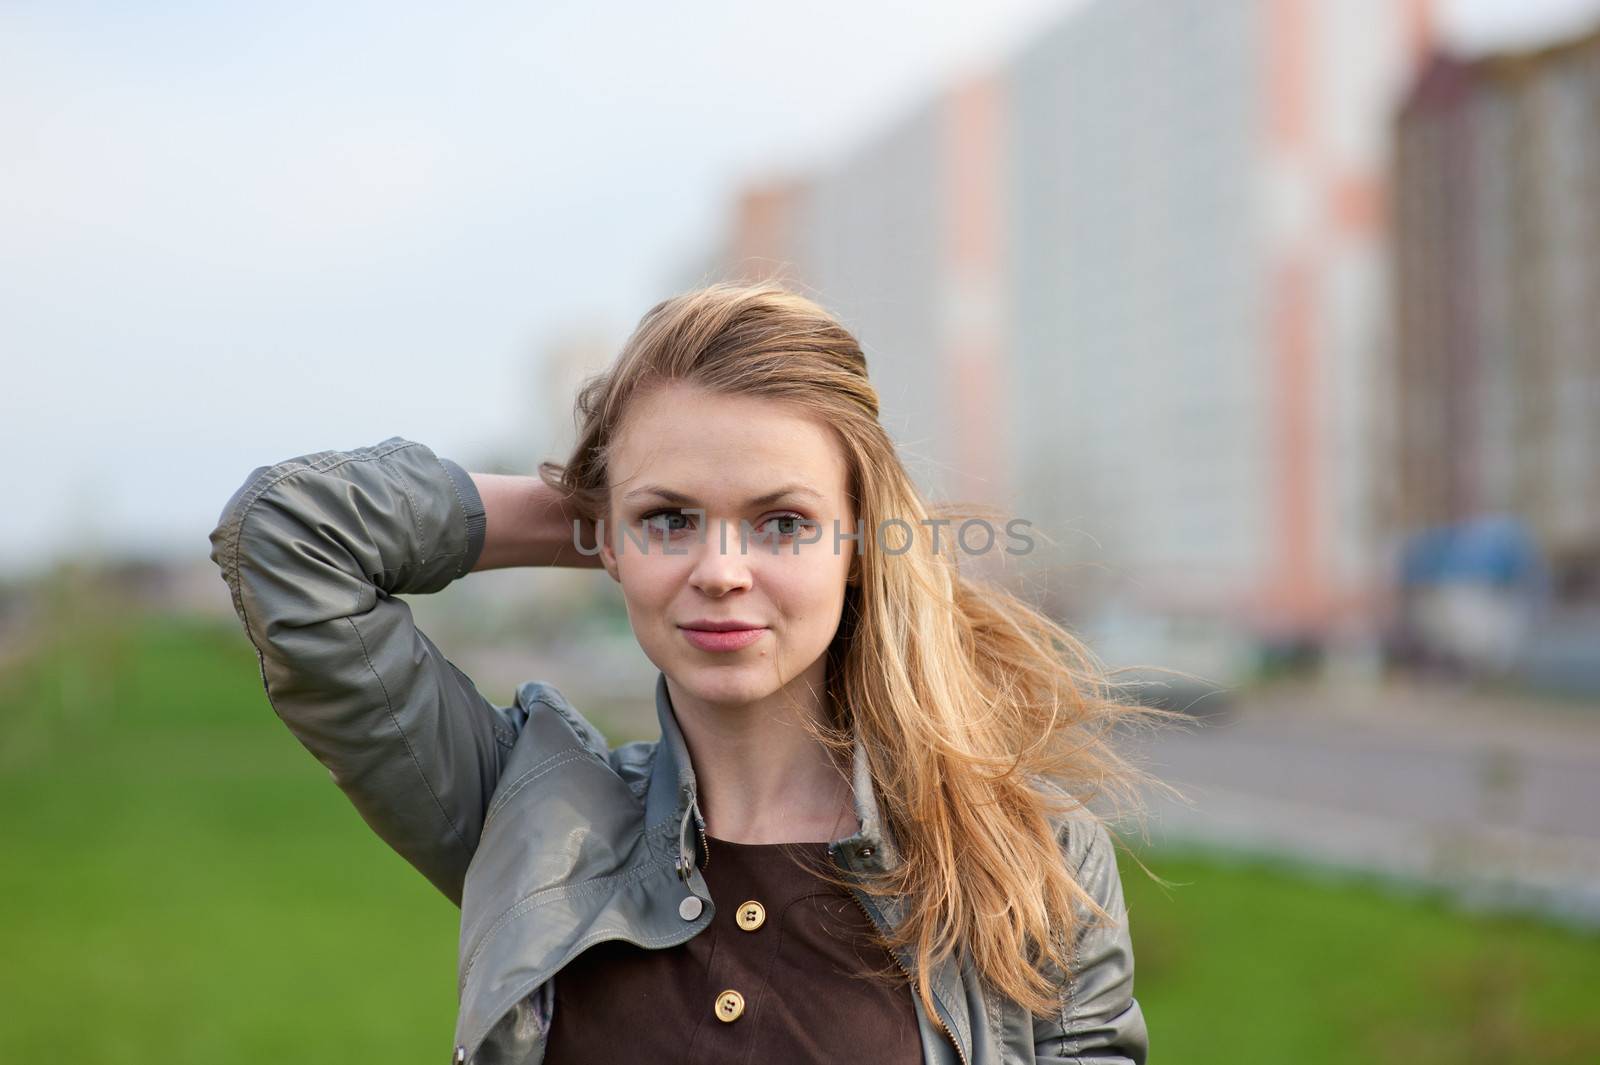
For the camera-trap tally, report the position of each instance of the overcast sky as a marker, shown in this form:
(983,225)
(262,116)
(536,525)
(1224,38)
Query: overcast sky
(230,234)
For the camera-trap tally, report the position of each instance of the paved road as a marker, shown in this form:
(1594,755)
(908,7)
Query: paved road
(1495,797)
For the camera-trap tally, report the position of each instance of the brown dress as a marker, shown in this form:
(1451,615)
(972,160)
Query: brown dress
(799,964)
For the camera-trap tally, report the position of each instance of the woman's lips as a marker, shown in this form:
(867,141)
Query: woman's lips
(731,640)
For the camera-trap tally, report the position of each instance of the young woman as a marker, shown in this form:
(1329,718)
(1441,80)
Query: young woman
(862,835)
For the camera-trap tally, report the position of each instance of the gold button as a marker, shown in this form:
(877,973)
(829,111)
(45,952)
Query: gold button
(730,1004)
(751,915)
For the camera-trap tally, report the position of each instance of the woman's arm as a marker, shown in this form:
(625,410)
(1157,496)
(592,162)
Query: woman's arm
(315,551)
(530,525)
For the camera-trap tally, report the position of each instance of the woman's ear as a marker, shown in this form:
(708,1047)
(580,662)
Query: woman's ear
(608,559)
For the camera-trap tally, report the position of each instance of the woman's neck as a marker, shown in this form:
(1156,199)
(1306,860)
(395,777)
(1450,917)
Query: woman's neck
(762,777)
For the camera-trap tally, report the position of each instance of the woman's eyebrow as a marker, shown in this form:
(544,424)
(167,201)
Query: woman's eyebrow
(681,500)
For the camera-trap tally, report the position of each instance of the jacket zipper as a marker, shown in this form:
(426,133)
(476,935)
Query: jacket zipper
(700,824)
(894,956)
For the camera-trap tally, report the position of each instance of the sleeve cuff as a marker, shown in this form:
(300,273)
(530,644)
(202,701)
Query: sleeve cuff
(472,505)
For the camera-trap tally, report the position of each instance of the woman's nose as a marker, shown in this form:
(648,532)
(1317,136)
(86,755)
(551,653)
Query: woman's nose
(719,565)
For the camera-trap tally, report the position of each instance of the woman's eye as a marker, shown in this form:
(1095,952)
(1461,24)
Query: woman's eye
(665,525)
(789,524)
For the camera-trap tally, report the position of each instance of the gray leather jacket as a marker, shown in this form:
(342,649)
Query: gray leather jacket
(547,838)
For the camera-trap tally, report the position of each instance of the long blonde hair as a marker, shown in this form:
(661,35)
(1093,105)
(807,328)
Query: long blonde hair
(985,722)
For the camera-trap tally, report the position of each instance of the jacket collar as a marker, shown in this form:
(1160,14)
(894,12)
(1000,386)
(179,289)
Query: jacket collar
(672,798)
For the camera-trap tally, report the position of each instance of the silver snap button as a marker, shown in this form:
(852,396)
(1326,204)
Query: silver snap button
(690,907)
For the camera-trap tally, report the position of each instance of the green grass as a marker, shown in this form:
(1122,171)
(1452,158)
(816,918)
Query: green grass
(1245,962)
(182,883)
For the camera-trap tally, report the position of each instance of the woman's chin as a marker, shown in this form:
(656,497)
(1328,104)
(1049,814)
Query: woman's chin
(725,683)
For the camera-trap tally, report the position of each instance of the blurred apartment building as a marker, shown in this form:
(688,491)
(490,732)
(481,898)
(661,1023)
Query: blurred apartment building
(1497,280)
(1132,286)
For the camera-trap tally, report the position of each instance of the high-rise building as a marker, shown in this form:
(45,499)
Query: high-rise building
(1131,285)
(1497,282)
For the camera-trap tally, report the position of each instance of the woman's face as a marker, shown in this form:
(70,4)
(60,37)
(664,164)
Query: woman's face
(687,467)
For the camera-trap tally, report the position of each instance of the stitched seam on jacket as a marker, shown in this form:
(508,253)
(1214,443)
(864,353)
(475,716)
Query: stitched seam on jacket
(328,462)
(554,761)
(248,503)
(331,461)
(461,571)
(966,1032)
(552,894)
(389,705)
(1070,1006)
(585,750)
(502,733)
(416,514)
(566,717)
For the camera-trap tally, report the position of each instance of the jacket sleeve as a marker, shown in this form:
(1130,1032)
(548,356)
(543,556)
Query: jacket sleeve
(1100,1021)
(315,551)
